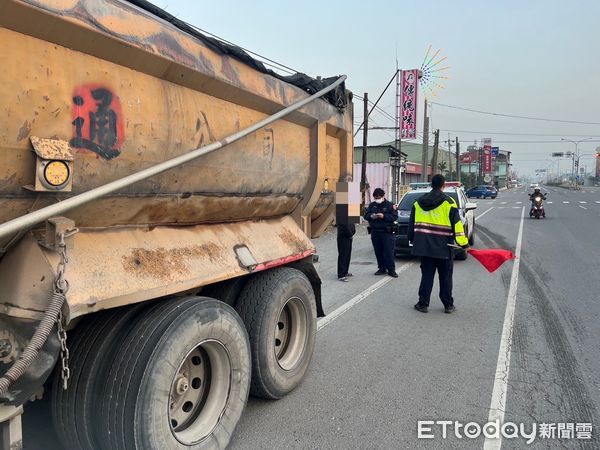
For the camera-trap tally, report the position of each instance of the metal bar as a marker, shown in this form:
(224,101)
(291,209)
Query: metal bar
(15,225)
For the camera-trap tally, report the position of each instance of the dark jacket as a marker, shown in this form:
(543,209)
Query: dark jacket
(390,215)
(431,245)
(346,230)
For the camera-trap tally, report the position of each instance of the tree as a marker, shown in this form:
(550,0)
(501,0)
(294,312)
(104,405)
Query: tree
(442,167)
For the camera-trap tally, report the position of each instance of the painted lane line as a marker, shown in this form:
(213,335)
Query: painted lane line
(503,203)
(565,202)
(498,403)
(484,213)
(519,203)
(357,299)
(516,207)
(549,203)
(582,202)
(597,201)
(582,207)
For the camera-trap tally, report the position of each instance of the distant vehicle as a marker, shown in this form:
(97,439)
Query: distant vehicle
(537,208)
(420,185)
(534,185)
(483,191)
(465,208)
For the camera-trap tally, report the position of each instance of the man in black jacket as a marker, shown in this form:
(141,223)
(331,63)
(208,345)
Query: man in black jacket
(381,215)
(345,232)
(434,225)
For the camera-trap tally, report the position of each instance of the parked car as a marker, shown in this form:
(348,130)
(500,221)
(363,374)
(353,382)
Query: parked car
(483,192)
(465,208)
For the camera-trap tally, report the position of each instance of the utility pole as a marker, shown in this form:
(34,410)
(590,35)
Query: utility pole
(424,159)
(363,171)
(449,143)
(449,157)
(436,143)
(398,143)
(457,160)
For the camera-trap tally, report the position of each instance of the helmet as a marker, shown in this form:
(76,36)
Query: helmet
(537,189)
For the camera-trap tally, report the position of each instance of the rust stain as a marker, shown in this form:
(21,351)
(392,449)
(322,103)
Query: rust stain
(168,264)
(229,71)
(293,241)
(24,131)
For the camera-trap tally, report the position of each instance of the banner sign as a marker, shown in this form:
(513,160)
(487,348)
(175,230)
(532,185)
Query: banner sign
(469,157)
(558,154)
(408,104)
(487,155)
(495,151)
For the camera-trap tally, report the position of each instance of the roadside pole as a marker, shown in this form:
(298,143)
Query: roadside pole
(457,160)
(436,143)
(363,168)
(424,158)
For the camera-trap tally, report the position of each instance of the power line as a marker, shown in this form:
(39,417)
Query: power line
(518,134)
(273,64)
(377,101)
(538,142)
(513,116)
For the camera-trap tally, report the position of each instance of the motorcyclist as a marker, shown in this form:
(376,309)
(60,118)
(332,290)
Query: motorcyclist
(536,193)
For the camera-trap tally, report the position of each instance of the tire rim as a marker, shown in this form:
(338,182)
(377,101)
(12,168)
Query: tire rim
(199,392)
(291,333)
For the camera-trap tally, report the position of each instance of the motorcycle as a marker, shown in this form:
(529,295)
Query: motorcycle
(537,208)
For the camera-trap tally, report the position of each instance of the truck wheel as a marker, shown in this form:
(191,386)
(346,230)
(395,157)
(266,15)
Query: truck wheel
(278,308)
(179,380)
(91,348)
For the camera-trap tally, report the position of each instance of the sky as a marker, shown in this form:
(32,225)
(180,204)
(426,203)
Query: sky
(528,58)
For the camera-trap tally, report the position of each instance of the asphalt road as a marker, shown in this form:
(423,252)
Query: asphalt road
(380,366)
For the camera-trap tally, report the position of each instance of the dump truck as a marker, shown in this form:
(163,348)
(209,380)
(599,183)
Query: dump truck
(159,189)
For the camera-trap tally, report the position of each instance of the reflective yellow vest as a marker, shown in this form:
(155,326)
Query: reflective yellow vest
(434,225)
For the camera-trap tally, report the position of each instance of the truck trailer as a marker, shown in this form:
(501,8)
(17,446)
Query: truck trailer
(159,189)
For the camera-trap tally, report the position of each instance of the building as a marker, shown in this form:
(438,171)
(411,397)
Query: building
(470,168)
(385,170)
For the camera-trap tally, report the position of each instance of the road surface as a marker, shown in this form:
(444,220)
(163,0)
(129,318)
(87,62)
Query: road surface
(522,346)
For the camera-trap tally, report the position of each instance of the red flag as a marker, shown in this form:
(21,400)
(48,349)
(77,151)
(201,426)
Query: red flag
(491,258)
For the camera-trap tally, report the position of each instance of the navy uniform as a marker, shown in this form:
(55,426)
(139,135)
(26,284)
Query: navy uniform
(382,236)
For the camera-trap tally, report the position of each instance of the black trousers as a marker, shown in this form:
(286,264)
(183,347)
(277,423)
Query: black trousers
(445,268)
(344,245)
(383,244)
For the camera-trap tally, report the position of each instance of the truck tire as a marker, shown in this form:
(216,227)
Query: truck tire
(91,347)
(179,380)
(279,310)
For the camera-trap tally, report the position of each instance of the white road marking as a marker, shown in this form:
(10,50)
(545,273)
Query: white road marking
(484,213)
(597,201)
(498,403)
(503,203)
(519,203)
(549,203)
(357,299)
(516,207)
(582,207)
(582,202)
(565,202)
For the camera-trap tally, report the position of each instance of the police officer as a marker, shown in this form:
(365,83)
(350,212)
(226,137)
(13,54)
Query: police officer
(381,215)
(434,224)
